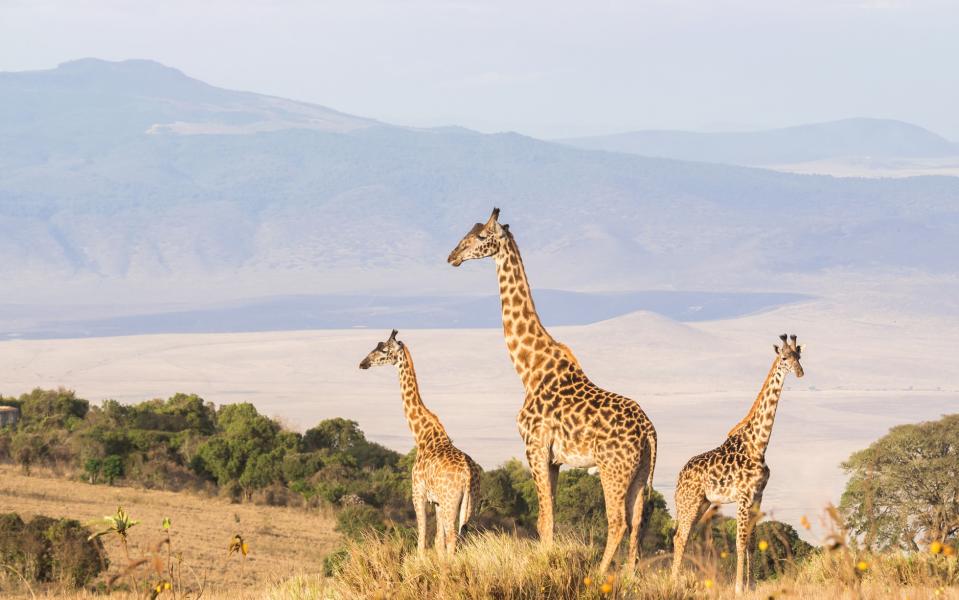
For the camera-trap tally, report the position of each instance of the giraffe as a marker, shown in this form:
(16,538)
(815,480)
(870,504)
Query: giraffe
(442,474)
(566,418)
(737,470)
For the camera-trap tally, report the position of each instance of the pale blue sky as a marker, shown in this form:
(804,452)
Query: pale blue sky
(549,69)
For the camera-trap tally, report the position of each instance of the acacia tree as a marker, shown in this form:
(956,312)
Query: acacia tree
(903,490)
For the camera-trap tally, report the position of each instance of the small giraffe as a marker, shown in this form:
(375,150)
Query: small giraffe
(442,474)
(566,418)
(737,470)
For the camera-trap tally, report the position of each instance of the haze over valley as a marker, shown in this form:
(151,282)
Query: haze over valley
(158,188)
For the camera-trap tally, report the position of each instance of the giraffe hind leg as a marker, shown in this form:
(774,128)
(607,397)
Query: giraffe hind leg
(614,491)
(419,506)
(635,504)
(690,506)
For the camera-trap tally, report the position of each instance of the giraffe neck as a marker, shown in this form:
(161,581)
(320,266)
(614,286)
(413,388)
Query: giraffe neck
(528,342)
(757,426)
(426,427)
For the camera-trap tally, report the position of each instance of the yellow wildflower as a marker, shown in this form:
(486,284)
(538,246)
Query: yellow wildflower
(606,588)
(805,522)
(708,583)
(587,581)
(724,554)
(763,545)
(863,566)
(935,547)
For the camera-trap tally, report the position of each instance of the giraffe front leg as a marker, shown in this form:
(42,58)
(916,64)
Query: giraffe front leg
(754,516)
(539,464)
(439,544)
(419,506)
(744,523)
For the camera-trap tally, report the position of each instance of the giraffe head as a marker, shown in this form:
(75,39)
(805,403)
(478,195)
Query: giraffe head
(789,354)
(481,241)
(385,353)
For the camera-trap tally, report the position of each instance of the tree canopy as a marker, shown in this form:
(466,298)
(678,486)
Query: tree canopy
(903,489)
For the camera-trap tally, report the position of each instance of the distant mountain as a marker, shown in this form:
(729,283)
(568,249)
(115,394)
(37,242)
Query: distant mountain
(131,180)
(108,101)
(872,138)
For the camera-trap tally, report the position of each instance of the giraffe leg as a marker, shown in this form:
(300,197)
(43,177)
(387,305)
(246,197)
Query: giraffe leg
(754,515)
(553,479)
(635,503)
(614,492)
(419,505)
(452,515)
(539,464)
(744,522)
(690,506)
(440,542)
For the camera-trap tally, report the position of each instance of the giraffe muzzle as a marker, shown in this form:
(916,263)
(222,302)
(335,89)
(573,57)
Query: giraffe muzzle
(365,363)
(454,260)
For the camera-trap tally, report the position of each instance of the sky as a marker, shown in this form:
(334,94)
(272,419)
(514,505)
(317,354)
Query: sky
(548,69)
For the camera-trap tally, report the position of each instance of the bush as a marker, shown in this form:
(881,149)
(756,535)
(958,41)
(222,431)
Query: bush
(355,522)
(74,560)
(50,550)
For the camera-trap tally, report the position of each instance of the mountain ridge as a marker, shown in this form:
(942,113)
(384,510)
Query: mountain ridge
(90,201)
(852,137)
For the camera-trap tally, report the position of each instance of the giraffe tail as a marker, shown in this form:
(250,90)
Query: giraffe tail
(470,493)
(466,509)
(652,467)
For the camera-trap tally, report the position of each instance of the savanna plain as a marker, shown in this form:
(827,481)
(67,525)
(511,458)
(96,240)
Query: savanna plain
(872,362)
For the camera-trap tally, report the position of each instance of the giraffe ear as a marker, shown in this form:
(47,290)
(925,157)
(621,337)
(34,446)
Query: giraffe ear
(801,348)
(776,348)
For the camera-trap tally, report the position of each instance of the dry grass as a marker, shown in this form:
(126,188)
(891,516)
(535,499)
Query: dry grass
(283,542)
(507,568)
(287,546)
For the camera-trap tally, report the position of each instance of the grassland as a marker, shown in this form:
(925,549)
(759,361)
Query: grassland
(287,547)
(506,568)
(283,542)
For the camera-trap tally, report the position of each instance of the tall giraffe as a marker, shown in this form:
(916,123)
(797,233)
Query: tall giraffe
(442,474)
(737,470)
(566,418)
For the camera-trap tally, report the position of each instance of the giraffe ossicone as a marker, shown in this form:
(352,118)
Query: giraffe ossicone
(442,474)
(566,418)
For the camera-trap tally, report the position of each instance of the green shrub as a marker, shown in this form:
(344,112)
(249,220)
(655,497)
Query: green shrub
(355,522)
(74,559)
(50,550)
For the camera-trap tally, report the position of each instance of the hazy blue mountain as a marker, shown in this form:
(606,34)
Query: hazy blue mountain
(873,138)
(132,180)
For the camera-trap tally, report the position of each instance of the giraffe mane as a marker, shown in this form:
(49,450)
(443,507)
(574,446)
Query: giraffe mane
(755,407)
(569,354)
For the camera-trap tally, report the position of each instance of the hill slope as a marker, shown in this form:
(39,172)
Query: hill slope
(283,541)
(874,138)
(131,180)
